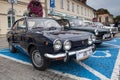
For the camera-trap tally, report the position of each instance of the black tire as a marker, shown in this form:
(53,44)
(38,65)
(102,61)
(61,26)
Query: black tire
(97,44)
(41,63)
(114,35)
(12,48)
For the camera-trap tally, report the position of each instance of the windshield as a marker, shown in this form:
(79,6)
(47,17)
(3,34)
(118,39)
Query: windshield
(75,22)
(98,24)
(43,24)
(88,24)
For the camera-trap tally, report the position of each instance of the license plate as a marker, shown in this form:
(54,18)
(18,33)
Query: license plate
(82,55)
(107,35)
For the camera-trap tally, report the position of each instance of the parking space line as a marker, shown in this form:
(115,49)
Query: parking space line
(68,75)
(112,45)
(16,60)
(57,72)
(96,73)
(115,74)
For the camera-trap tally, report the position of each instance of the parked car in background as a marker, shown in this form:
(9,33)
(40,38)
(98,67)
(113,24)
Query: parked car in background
(101,34)
(119,25)
(44,41)
(114,30)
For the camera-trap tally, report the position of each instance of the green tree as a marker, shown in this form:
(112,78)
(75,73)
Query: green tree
(117,18)
(102,11)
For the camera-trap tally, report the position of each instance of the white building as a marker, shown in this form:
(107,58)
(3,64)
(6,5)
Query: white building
(65,8)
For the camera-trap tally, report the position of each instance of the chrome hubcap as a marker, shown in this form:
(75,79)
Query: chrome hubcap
(37,59)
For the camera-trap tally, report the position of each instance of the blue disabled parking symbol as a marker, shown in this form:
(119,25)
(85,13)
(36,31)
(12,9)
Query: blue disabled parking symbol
(101,65)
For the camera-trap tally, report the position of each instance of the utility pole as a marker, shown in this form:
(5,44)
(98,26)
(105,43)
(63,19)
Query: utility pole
(46,10)
(12,2)
(12,11)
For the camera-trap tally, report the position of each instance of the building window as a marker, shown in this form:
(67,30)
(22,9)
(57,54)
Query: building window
(107,19)
(99,19)
(72,7)
(78,11)
(81,10)
(61,4)
(85,12)
(88,12)
(68,5)
(11,18)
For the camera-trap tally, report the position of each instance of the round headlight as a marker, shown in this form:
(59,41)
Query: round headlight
(90,41)
(67,45)
(93,38)
(96,32)
(57,44)
(111,31)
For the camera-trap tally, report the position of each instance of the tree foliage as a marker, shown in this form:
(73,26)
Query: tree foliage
(102,11)
(117,18)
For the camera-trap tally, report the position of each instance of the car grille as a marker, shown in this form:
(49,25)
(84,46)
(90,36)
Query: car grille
(81,43)
(115,30)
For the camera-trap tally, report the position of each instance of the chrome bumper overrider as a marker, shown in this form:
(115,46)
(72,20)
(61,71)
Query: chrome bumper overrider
(60,55)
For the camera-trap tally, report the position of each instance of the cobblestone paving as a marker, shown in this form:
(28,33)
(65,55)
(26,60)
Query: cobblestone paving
(11,70)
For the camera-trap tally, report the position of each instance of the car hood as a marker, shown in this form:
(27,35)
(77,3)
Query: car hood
(92,29)
(109,27)
(66,35)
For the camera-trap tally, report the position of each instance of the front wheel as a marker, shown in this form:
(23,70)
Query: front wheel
(38,60)
(12,48)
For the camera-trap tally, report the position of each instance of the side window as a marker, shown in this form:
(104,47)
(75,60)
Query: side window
(21,25)
(63,23)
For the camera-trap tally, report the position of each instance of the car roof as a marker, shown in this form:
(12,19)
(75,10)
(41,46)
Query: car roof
(35,18)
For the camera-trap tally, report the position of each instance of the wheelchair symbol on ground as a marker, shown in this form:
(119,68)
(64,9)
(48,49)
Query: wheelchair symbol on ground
(101,54)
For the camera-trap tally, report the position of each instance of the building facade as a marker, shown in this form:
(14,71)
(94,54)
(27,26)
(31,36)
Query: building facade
(64,8)
(106,19)
(72,8)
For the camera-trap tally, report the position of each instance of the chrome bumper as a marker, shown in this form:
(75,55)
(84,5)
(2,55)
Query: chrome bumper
(104,39)
(60,55)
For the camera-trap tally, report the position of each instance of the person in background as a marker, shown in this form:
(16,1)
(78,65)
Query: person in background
(116,23)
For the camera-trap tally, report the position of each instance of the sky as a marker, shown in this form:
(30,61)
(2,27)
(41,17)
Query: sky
(113,6)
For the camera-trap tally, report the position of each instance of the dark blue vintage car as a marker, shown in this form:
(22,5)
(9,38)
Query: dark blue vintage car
(101,34)
(44,40)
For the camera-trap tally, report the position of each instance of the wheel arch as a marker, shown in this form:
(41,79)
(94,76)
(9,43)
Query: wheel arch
(30,47)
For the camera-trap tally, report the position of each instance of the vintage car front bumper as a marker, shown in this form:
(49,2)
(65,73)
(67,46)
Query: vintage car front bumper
(63,55)
(104,38)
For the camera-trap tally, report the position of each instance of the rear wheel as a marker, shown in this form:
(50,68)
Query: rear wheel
(97,44)
(38,60)
(114,35)
(12,48)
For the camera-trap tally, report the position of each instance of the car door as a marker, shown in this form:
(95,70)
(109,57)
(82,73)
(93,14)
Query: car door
(12,33)
(21,34)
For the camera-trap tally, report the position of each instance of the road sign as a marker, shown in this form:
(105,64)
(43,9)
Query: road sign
(52,3)
(13,1)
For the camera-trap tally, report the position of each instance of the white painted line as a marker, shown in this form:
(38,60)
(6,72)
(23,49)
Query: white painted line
(57,72)
(68,75)
(116,74)
(112,45)
(20,61)
(96,73)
